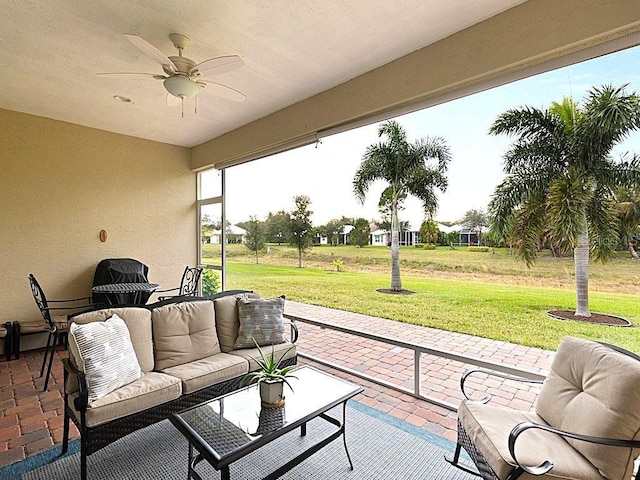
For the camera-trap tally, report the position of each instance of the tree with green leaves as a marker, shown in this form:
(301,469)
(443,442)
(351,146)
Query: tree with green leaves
(276,226)
(360,233)
(628,205)
(332,230)
(408,169)
(560,178)
(300,228)
(475,221)
(429,231)
(254,238)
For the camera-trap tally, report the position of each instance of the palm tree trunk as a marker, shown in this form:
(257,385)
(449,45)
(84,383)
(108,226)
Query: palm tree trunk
(632,250)
(396,283)
(581,263)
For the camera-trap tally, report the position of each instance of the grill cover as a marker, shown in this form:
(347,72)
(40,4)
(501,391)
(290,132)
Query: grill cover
(121,270)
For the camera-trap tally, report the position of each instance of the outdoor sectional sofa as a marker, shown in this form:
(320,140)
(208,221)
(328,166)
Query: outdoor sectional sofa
(186,350)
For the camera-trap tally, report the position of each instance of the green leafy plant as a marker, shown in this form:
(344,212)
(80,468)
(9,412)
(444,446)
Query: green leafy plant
(270,370)
(339,264)
(429,246)
(210,282)
(479,249)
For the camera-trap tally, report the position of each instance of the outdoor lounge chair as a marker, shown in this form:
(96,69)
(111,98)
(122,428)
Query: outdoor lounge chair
(586,423)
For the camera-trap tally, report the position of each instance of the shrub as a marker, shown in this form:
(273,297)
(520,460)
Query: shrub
(419,245)
(479,249)
(429,246)
(210,282)
(339,264)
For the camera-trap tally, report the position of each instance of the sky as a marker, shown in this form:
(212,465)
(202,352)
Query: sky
(325,171)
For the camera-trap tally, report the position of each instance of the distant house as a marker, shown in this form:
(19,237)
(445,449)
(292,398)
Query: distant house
(383,237)
(380,237)
(234,234)
(468,237)
(343,238)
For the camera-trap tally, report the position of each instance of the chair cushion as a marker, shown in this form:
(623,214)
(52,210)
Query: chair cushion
(488,427)
(260,320)
(208,371)
(227,322)
(594,390)
(153,389)
(104,352)
(138,322)
(27,328)
(250,354)
(184,332)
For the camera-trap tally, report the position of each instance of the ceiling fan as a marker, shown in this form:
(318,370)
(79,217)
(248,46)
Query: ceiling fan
(183,78)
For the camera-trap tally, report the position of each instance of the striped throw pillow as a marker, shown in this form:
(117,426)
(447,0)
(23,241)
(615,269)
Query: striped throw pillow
(104,352)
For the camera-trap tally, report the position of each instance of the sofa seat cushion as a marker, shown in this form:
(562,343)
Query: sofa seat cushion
(227,322)
(208,371)
(138,321)
(153,389)
(250,354)
(184,332)
(489,426)
(593,390)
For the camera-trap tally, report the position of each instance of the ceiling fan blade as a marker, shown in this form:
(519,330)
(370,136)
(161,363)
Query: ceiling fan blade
(223,91)
(151,51)
(173,101)
(132,75)
(218,65)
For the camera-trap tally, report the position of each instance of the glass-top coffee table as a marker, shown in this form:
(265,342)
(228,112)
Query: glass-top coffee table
(228,428)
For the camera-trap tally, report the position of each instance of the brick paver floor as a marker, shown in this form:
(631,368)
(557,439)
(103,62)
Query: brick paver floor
(31,420)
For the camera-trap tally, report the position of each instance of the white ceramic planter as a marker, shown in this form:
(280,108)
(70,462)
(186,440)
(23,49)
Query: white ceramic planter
(271,394)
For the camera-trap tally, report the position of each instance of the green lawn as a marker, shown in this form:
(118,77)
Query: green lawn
(489,295)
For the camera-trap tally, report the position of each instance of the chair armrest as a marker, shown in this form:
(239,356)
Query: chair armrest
(294,331)
(69,300)
(70,369)
(547,465)
(486,399)
(167,290)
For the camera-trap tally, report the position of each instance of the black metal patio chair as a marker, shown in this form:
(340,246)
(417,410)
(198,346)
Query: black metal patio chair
(54,325)
(188,284)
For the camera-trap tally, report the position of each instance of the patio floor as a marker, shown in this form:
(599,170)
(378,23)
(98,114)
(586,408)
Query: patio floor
(31,420)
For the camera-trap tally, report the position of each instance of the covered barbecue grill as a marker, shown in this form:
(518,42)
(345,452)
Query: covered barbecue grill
(121,270)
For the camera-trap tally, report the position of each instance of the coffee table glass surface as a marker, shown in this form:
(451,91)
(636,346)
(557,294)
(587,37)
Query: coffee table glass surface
(229,427)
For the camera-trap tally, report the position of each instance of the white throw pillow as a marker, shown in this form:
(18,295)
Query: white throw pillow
(104,352)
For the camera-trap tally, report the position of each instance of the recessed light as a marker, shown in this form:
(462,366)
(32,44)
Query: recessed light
(122,99)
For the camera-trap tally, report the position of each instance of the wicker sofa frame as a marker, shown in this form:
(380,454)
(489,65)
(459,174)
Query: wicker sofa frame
(481,467)
(94,438)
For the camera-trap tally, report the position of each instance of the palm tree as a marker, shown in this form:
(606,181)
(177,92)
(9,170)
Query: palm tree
(406,168)
(628,203)
(561,178)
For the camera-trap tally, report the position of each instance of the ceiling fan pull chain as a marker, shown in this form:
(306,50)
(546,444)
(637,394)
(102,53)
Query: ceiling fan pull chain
(182,105)
(195,107)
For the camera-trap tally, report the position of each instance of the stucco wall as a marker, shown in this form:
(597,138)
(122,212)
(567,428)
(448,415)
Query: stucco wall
(60,184)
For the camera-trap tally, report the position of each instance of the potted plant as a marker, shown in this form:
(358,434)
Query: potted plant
(270,377)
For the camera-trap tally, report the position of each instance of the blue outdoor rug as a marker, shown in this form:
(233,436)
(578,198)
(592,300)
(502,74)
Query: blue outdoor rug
(381,447)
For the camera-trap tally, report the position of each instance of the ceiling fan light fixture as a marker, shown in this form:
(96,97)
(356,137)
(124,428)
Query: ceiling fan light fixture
(181,86)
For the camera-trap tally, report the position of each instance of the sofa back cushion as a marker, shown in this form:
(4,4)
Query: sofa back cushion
(594,390)
(227,319)
(138,321)
(184,332)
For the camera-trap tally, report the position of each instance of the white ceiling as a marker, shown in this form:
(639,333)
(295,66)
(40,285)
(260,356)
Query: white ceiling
(50,51)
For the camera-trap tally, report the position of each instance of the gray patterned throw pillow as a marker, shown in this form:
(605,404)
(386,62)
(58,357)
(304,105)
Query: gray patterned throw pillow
(260,319)
(103,350)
